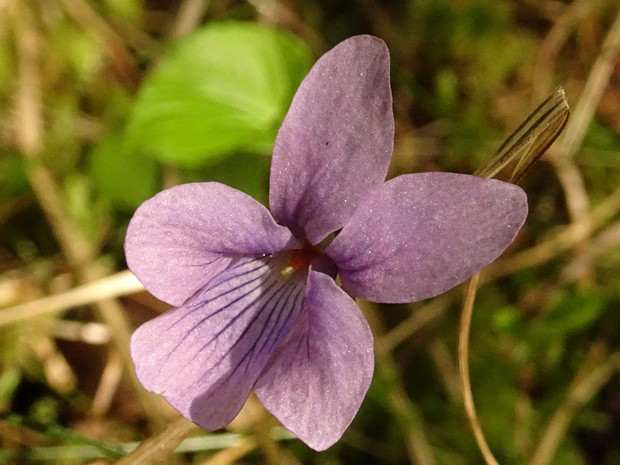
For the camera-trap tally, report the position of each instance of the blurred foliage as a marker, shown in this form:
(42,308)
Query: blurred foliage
(227,86)
(104,103)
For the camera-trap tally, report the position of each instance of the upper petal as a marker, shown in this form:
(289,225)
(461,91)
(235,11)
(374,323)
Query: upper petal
(185,235)
(419,235)
(205,356)
(336,141)
(319,375)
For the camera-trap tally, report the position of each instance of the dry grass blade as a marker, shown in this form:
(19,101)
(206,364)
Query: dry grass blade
(110,287)
(160,445)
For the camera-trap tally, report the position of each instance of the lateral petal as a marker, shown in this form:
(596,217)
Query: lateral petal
(183,236)
(205,356)
(336,141)
(419,235)
(319,375)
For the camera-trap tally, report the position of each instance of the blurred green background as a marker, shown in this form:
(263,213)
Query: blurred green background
(105,102)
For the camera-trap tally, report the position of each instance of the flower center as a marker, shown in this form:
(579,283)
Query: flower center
(302,257)
(299,259)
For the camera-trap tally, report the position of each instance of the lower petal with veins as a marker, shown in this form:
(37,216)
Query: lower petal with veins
(204,357)
(319,375)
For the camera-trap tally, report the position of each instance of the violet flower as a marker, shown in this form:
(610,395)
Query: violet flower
(258,307)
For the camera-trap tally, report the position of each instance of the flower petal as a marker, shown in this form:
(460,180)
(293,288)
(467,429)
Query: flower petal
(336,141)
(205,356)
(185,235)
(421,234)
(319,375)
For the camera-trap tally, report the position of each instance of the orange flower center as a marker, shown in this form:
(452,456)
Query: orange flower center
(299,259)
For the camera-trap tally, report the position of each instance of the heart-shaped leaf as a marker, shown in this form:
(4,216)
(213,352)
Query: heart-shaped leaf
(222,89)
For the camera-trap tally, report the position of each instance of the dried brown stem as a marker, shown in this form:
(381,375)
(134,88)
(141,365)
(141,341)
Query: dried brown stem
(468,398)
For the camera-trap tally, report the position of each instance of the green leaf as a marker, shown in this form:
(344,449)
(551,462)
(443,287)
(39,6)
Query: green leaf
(247,173)
(124,179)
(223,89)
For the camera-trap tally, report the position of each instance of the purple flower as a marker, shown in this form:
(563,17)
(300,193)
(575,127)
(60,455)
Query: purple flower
(258,307)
